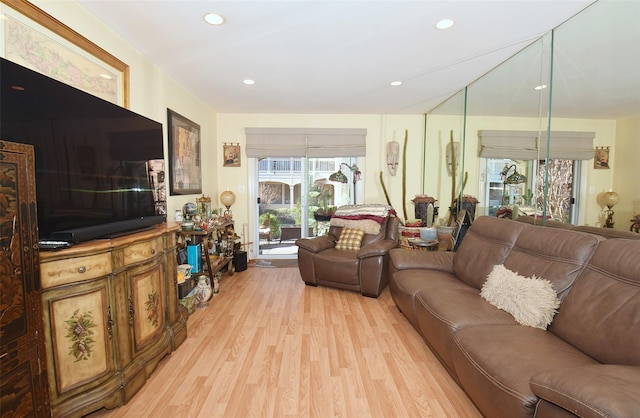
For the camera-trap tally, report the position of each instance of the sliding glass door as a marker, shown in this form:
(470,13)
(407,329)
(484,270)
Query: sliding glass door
(295,197)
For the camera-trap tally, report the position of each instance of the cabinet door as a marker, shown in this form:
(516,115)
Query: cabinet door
(78,320)
(147,304)
(23,379)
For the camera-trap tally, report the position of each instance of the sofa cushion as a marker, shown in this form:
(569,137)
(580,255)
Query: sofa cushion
(445,305)
(494,364)
(602,390)
(601,314)
(532,301)
(558,255)
(350,239)
(487,243)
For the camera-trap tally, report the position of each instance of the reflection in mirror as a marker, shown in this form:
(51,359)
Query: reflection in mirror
(506,113)
(444,181)
(589,97)
(596,87)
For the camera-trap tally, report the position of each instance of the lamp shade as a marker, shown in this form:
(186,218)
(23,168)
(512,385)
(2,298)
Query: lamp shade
(339,177)
(227,198)
(609,199)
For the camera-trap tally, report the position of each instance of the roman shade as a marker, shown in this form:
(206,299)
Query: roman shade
(532,145)
(309,142)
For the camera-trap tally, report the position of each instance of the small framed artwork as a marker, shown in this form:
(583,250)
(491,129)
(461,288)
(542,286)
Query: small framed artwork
(601,158)
(231,155)
(184,155)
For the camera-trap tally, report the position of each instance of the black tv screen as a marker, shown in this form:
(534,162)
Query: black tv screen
(99,166)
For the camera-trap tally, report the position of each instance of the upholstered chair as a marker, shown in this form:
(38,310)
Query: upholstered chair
(365,270)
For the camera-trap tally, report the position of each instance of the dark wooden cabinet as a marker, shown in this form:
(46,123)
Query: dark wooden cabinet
(23,376)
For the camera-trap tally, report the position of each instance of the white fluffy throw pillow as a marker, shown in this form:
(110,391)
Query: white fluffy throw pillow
(532,301)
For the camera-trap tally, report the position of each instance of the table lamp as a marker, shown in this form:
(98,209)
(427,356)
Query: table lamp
(608,199)
(228,198)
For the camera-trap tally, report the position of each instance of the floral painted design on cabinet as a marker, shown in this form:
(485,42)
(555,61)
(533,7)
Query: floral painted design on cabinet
(80,335)
(153,300)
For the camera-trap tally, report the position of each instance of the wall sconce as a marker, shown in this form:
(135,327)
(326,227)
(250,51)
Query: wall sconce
(510,180)
(608,199)
(339,177)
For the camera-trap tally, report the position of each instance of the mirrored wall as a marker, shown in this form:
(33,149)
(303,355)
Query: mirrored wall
(553,127)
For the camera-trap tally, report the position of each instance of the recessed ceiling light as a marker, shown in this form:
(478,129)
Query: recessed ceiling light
(445,24)
(395,83)
(249,82)
(540,87)
(213,19)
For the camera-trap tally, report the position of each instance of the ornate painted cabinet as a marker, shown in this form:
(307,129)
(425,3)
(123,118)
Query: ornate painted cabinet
(23,376)
(111,313)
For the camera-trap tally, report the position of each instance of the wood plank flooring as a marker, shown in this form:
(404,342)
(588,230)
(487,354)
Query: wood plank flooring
(269,346)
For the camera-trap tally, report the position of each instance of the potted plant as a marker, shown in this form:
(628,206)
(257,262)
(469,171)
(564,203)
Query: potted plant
(323,192)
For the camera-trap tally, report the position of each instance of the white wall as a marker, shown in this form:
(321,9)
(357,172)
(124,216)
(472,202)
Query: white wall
(626,157)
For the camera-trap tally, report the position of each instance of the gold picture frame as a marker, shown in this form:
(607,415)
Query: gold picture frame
(231,155)
(40,42)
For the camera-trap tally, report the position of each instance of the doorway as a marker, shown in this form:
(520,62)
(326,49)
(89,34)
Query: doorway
(290,192)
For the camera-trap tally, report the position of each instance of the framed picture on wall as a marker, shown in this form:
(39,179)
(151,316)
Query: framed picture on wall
(601,158)
(231,155)
(184,155)
(38,41)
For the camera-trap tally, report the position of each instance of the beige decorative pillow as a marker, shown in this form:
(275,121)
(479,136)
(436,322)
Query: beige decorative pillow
(532,301)
(350,239)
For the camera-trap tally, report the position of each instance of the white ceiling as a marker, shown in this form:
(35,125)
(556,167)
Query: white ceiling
(333,57)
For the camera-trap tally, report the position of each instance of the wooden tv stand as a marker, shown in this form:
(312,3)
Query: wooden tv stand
(111,313)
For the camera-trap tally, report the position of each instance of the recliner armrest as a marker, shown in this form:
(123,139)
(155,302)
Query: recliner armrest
(377,249)
(402,259)
(316,244)
(600,390)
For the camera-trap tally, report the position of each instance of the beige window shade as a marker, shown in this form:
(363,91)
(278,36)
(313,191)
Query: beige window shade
(568,145)
(275,142)
(336,143)
(523,145)
(517,145)
(310,142)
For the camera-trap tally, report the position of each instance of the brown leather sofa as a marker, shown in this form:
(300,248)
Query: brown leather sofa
(603,232)
(365,270)
(586,363)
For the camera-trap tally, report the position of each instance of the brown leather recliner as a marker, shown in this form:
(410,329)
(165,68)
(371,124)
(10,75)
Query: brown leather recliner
(365,270)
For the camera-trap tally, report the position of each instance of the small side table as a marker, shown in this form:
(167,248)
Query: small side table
(419,244)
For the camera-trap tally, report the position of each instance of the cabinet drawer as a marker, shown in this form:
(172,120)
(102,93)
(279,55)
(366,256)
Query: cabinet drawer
(142,251)
(71,270)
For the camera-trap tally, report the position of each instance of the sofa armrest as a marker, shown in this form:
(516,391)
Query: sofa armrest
(402,259)
(600,390)
(316,244)
(377,249)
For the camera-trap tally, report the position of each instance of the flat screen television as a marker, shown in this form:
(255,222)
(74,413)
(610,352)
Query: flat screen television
(99,167)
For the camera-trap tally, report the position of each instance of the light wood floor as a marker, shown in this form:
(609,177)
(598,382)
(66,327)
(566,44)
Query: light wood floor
(269,346)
